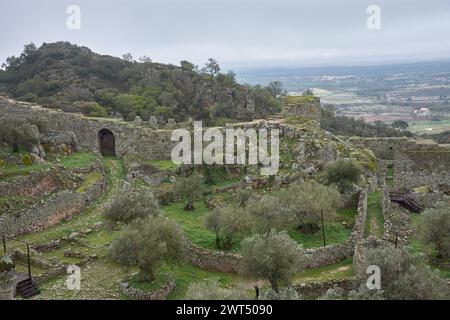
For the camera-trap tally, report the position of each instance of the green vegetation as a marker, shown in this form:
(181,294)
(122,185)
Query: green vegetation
(272,256)
(89,181)
(101,85)
(74,160)
(349,126)
(342,269)
(335,233)
(193,223)
(390,175)
(163,164)
(375,219)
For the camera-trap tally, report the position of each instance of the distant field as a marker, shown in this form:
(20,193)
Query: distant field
(423,127)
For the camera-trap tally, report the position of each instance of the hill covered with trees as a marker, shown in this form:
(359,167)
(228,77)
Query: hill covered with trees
(75,79)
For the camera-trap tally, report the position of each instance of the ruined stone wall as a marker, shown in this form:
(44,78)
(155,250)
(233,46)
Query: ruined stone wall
(159,294)
(304,106)
(410,174)
(129,138)
(53,210)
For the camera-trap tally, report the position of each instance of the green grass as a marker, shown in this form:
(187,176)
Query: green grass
(163,164)
(78,160)
(375,220)
(340,270)
(390,175)
(185,274)
(89,181)
(74,160)
(335,232)
(349,213)
(193,223)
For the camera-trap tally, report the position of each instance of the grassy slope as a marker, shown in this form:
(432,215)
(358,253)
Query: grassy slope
(375,219)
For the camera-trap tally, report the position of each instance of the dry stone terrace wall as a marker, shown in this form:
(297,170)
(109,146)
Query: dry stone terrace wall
(53,210)
(415,163)
(314,258)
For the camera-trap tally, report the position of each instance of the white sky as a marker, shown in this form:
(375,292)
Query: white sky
(238,33)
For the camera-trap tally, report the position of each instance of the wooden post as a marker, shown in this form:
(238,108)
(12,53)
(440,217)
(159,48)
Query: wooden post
(323,228)
(4,243)
(29,260)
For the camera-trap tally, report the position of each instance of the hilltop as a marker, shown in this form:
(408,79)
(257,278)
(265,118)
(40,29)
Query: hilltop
(75,79)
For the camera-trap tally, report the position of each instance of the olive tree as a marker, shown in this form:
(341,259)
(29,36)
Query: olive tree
(310,201)
(147,243)
(434,228)
(343,173)
(226,223)
(132,204)
(189,189)
(403,276)
(273,256)
(269,212)
(18,132)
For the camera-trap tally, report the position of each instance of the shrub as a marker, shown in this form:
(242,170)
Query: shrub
(434,228)
(343,173)
(147,243)
(132,204)
(273,256)
(189,189)
(226,223)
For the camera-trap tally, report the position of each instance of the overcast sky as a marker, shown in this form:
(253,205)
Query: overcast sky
(238,33)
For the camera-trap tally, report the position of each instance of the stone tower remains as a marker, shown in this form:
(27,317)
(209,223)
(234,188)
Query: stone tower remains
(302,106)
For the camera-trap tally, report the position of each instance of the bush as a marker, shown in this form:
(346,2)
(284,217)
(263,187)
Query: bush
(147,243)
(343,173)
(189,189)
(434,228)
(302,200)
(226,223)
(92,109)
(273,256)
(403,277)
(132,204)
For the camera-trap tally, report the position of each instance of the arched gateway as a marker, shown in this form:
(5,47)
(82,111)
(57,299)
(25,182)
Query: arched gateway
(107,143)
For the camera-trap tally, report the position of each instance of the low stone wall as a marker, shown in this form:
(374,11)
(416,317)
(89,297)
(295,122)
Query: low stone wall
(318,289)
(58,207)
(212,260)
(159,294)
(360,222)
(318,257)
(314,258)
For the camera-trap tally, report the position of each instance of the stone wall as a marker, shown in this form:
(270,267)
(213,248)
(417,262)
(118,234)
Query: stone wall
(137,294)
(59,206)
(129,137)
(314,258)
(303,106)
(409,174)
(312,290)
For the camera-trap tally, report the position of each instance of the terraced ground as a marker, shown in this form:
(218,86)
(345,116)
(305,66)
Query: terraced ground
(100,276)
(375,220)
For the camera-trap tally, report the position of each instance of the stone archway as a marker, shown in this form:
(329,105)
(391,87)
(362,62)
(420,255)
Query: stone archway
(107,142)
